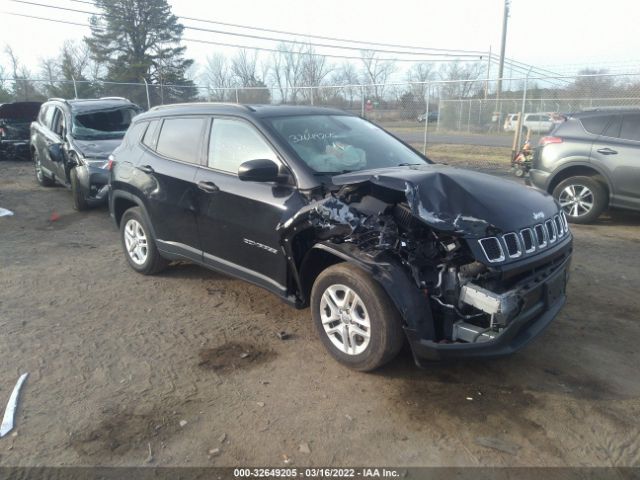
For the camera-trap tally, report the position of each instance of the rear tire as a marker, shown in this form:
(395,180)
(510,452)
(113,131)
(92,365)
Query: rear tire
(138,243)
(79,199)
(346,303)
(41,178)
(582,198)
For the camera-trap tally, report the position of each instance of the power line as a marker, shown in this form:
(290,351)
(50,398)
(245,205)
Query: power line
(248,47)
(261,37)
(321,37)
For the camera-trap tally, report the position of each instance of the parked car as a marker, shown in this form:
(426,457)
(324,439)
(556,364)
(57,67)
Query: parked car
(433,117)
(71,141)
(534,122)
(591,162)
(328,210)
(15,119)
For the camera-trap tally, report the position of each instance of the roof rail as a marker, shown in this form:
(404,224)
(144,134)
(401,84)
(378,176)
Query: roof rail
(172,105)
(57,99)
(115,98)
(607,108)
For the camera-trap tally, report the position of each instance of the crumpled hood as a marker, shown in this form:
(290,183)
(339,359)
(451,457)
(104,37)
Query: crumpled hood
(466,202)
(98,149)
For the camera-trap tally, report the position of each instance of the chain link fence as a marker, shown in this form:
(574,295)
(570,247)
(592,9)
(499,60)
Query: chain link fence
(473,113)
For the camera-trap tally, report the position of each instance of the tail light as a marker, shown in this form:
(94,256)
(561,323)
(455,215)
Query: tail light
(110,161)
(549,140)
(2,132)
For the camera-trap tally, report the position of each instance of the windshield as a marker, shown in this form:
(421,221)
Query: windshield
(332,144)
(102,124)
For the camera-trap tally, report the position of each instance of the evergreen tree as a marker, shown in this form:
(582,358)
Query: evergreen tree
(139,40)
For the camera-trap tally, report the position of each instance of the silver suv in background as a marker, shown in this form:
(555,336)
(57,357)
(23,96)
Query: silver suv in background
(590,162)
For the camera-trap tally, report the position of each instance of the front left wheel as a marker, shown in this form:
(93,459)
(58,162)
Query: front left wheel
(356,320)
(138,243)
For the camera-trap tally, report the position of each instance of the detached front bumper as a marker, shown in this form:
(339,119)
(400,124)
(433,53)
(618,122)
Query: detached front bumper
(94,182)
(540,303)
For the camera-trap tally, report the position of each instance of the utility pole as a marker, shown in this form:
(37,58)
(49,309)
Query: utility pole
(503,46)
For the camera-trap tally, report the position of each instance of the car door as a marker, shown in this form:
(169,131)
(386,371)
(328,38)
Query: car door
(165,174)
(618,151)
(236,219)
(44,138)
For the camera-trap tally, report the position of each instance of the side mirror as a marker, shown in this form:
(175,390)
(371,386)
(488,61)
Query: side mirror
(55,152)
(258,171)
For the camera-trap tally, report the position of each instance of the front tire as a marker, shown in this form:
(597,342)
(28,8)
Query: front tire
(138,244)
(79,198)
(356,320)
(583,199)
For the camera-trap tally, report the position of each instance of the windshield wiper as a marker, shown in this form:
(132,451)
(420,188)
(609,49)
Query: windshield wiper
(409,164)
(320,174)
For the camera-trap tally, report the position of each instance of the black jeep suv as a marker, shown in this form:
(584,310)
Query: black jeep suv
(590,162)
(327,210)
(71,141)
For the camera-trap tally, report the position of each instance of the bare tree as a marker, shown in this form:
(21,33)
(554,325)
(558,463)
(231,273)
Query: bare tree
(417,75)
(315,69)
(348,76)
(467,75)
(219,78)
(376,72)
(23,88)
(287,69)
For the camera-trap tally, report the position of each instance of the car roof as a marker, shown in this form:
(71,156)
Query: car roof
(92,104)
(596,111)
(257,111)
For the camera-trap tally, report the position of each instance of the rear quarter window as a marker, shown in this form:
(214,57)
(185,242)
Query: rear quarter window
(630,127)
(597,124)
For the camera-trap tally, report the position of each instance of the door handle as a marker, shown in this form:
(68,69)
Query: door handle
(146,169)
(607,151)
(208,187)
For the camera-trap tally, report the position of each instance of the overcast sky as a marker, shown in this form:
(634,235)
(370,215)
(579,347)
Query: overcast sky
(562,35)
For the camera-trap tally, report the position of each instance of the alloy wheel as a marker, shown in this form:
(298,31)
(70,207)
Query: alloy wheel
(345,319)
(576,200)
(135,241)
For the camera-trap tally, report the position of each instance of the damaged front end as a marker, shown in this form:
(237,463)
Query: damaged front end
(423,234)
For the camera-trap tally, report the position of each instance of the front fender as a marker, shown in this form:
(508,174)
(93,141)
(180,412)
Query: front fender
(412,303)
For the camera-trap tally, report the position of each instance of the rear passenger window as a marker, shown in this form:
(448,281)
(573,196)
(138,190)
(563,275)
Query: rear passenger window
(180,139)
(48,117)
(596,125)
(151,135)
(630,127)
(234,142)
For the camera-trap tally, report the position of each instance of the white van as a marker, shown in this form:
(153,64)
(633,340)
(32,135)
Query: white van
(535,122)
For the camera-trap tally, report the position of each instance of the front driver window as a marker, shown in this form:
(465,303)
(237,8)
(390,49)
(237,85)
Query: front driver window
(234,142)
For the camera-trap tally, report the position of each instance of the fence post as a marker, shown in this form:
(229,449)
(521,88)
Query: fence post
(439,110)
(237,97)
(146,86)
(75,89)
(469,117)
(362,101)
(311,90)
(426,118)
(522,111)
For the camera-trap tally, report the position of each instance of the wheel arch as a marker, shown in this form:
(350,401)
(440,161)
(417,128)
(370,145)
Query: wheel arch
(123,201)
(580,169)
(411,303)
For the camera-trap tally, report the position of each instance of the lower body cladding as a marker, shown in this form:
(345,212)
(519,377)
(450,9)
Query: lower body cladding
(504,322)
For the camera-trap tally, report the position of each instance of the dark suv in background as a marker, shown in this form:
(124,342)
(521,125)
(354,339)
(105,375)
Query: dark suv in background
(327,210)
(71,141)
(590,162)
(15,119)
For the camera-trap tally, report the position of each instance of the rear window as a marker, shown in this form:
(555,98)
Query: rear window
(180,139)
(102,124)
(597,124)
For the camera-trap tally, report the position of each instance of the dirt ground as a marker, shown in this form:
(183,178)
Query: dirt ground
(188,362)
